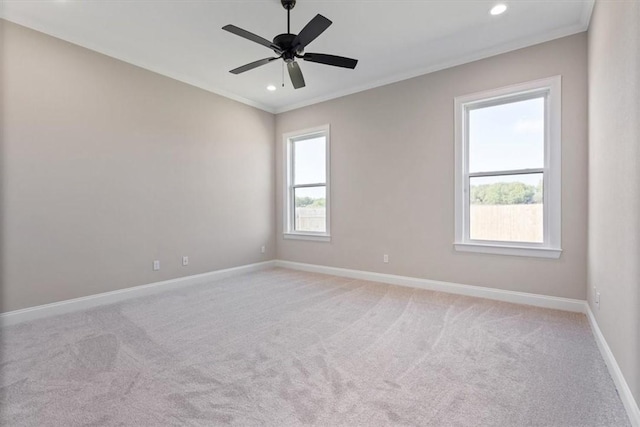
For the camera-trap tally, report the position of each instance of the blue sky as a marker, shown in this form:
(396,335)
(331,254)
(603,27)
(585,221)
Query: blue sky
(310,157)
(506,137)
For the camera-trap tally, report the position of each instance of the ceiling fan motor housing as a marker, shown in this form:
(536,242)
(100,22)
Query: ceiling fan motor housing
(285,43)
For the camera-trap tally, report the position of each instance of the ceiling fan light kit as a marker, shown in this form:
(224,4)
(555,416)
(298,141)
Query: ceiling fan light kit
(290,46)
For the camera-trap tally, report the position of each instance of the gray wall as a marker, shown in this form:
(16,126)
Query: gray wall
(614,180)
(107,167)
(392,154)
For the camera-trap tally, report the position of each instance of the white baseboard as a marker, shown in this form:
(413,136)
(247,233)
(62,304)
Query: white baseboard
(83,303)
(621,384)
(558,303)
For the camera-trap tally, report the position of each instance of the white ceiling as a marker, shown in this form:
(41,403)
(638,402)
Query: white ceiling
(393,40)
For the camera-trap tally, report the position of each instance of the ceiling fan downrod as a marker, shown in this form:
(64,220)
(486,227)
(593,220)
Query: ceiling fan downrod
(288,4)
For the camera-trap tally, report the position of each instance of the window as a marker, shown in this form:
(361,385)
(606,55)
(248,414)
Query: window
(306,210)
(508,170)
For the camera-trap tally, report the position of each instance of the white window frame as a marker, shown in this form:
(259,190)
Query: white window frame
(289,201)
(552,214)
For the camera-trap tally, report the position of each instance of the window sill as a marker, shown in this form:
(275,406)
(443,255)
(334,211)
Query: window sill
(311,237)
(509,250)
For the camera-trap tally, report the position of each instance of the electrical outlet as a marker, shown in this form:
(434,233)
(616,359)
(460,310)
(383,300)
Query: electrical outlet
(185,260)
(156,265)
(597,301)
(263,249)
(385,258)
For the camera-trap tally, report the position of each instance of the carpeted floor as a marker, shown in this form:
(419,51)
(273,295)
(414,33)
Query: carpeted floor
(282,347)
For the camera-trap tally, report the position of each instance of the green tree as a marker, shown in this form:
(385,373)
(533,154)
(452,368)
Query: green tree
(310,202)
(506,193)
(303,202)
(319,203)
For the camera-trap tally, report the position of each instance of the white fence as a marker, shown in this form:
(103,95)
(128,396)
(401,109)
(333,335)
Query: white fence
(311,219)
(516,223)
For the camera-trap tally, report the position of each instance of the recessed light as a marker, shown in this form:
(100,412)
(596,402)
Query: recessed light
(498,9)
(271,88)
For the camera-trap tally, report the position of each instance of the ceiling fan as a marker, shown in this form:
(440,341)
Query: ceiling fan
(291,46)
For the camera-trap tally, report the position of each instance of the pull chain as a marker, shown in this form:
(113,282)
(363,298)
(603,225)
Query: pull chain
(282,73)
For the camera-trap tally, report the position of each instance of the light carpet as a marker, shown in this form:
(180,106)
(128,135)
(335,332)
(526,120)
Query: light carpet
(282,347)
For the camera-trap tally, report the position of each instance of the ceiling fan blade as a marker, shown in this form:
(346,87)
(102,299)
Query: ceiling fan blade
(313,29)
(250,36)
(296,75)
(252,65)
(336,61)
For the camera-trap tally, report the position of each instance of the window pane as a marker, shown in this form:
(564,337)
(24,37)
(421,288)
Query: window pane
(311,209)
(507,136)
(309,157)
(506,208)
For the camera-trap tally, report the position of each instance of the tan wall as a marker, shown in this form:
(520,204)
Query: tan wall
(107,167)
(614,180)
(392,150)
